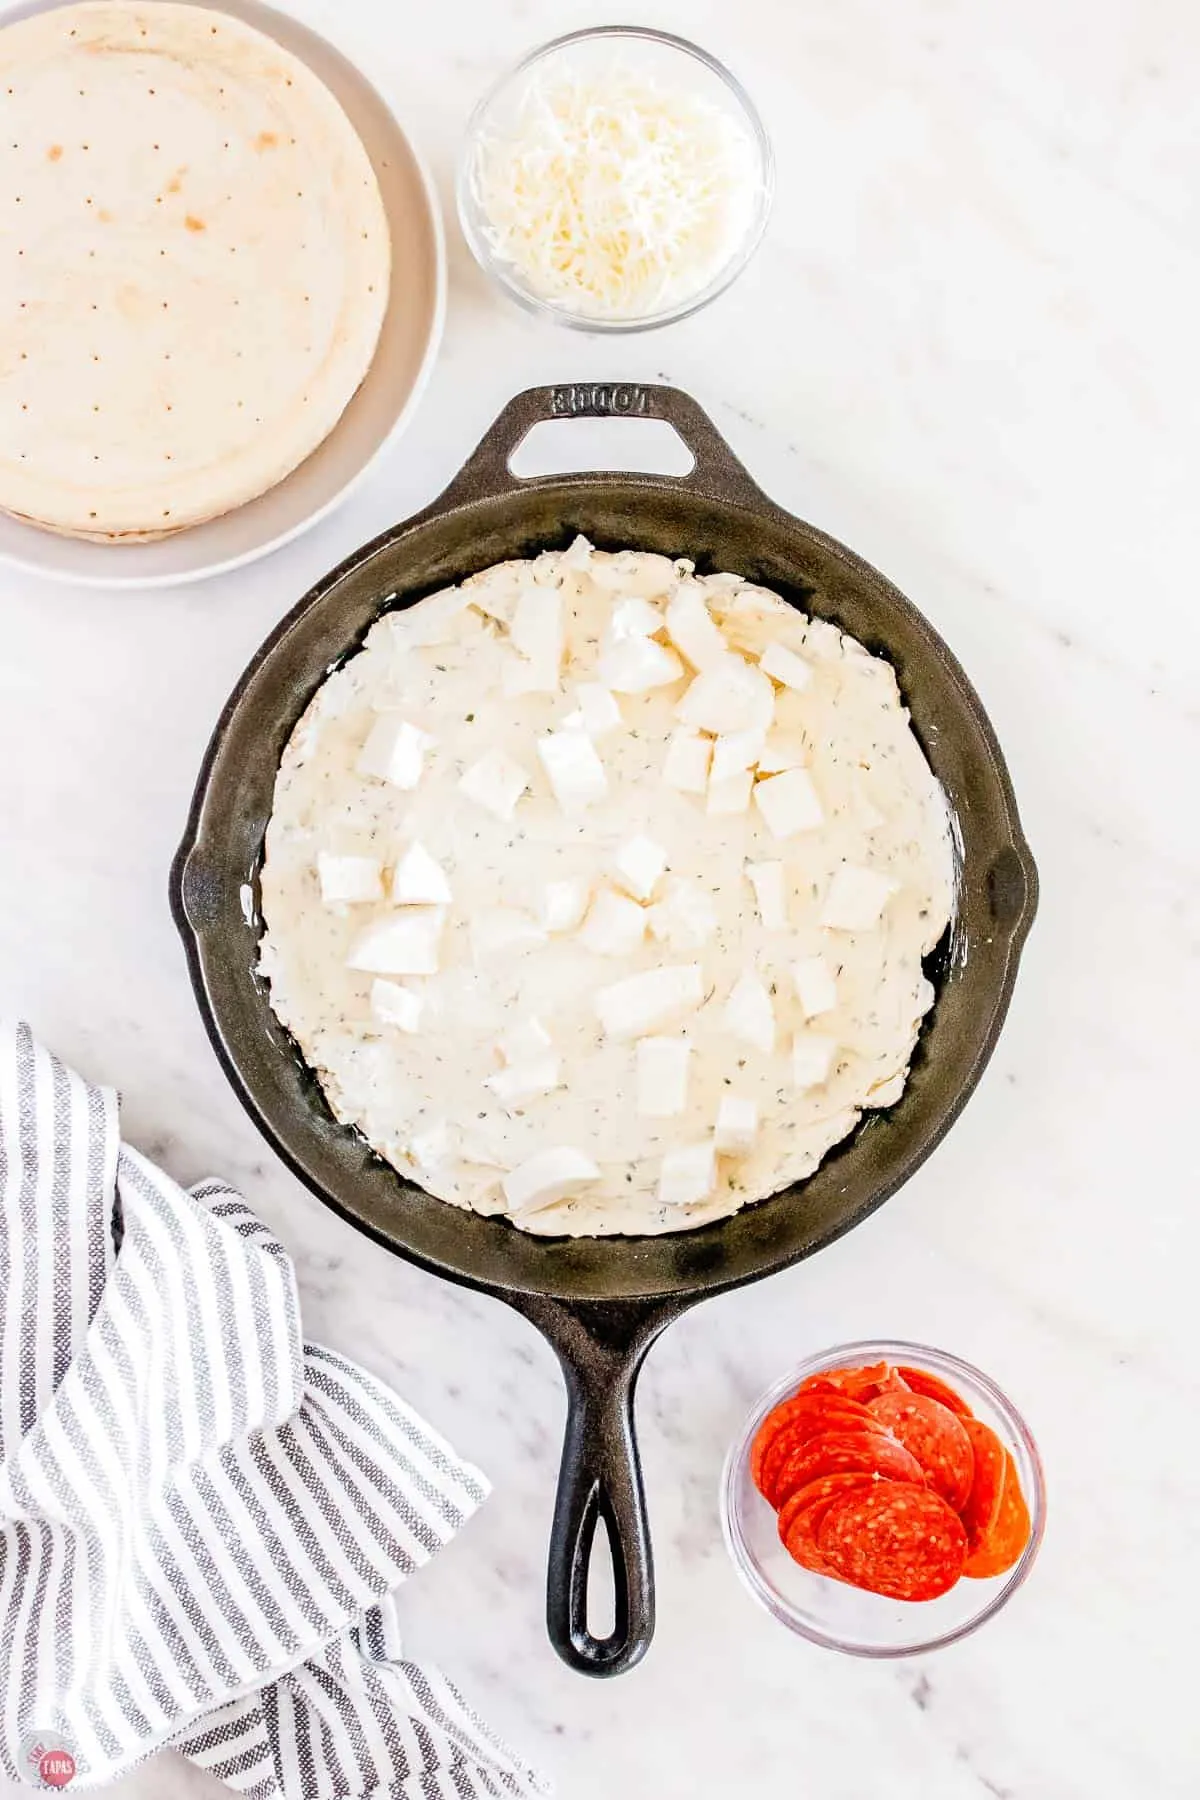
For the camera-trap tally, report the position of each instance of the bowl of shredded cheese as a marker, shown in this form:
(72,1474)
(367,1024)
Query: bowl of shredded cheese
(615,180)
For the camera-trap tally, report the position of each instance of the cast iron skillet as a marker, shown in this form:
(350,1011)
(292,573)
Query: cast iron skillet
(601,1302)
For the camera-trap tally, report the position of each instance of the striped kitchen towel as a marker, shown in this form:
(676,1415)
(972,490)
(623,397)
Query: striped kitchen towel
(203,1519)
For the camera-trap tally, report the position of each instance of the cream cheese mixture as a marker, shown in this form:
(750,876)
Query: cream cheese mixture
(596,892)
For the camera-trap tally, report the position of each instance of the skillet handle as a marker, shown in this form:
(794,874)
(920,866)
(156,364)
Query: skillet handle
(601,1346)
(487,471)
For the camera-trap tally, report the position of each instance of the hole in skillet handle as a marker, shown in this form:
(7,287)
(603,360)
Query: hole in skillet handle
(602,1580)
(599,1593)
(571,446)
(715,470)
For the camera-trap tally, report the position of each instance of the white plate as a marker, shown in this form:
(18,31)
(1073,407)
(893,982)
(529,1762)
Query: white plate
(379,411)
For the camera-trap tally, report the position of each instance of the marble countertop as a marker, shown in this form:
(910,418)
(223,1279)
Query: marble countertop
(968,348)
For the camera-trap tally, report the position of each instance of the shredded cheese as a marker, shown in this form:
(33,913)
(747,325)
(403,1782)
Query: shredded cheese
(617,197)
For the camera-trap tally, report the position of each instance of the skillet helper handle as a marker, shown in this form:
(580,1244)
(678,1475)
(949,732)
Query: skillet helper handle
(601,1347)
(717,470)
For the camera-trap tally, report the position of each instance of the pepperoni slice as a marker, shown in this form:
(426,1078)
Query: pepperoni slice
(934,1388)
(800,1517)
(844,1453)
(821,1411)
(1003,1545)
(861,1384)
(895,1538)
(936,1438)
(793,1437)
(981,1508)
(823,1490)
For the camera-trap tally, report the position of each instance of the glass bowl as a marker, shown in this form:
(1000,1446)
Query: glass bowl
(679,65)
(847,1618)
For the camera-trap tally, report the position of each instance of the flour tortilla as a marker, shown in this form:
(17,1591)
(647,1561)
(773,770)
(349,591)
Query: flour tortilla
(422,1099)
(92,537)
(194,267)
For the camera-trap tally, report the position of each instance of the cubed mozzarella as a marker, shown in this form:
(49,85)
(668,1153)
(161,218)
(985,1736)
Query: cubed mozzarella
(784,666)
(812,1059)
(781,752)
(521,1082)
(598,710)
(856,898)
(525,1042)
(479,1186)
(687,761)
(685,917)
(770,890)
(578,556)
(419,880)
(574,770)
(735,751)
(615,926)
(549,1175)
(349,880)
(537,622)
(563,904)
(635,665)
(731,795)
(789,803)
(430,1148)
(816,988)
(537,633)
(493,594)
(433,620)
(394,751)
(737,1126)
(687,1175)
(633,572)
(692,630)
(643,1003)
(634,617)
(749,1015)
(731,695)
(519,676)
(503,931)
(496,783)
(638,864)
(662,1074)
(404,943)
(394,1004)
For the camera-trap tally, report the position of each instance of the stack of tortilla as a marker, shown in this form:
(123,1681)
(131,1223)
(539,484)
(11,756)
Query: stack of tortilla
(194,267)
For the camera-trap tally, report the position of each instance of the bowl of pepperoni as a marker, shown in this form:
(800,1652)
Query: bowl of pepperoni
(883,1499)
